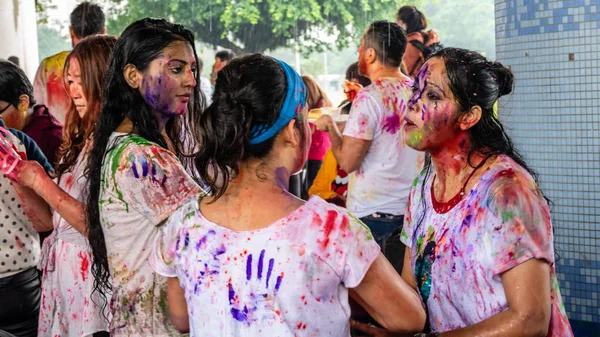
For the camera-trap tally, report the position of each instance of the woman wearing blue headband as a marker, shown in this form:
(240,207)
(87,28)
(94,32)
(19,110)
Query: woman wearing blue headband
(252,259)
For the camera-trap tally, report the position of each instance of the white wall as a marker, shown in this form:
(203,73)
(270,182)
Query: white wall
(18,33)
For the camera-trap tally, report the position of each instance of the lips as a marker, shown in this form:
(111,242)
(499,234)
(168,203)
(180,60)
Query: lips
(409,125)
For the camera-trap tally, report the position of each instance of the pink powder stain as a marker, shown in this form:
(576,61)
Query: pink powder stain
(392,124)
(85,264)
(19,242)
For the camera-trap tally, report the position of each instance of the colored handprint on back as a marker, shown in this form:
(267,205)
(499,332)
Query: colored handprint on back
(256,301)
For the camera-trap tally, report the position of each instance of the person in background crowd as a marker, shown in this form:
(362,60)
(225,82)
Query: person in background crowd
(478,231)
(48,87)
(317,98)
(205,85)
(23,114)
(66,307)
(331,182)
(14,60)
(222,58)
(420,42)
(373,149)
(253,260)
(136,179)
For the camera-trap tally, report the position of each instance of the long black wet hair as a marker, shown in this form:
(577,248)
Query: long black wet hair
(475,81)
(249,91)
(139,44)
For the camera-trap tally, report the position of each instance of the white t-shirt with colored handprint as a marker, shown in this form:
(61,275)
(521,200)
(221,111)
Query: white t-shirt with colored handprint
(383,180)
(287,279)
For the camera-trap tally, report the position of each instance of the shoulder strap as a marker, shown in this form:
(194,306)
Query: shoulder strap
(419,45)
(421,59)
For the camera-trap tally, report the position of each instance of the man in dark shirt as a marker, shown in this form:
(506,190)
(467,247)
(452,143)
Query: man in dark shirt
(19,111)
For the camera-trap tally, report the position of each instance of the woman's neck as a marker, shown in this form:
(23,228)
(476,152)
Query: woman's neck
(452,161)
(256,198)
(258,177)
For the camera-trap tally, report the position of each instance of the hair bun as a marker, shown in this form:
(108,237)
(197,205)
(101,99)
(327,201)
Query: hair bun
(505,79)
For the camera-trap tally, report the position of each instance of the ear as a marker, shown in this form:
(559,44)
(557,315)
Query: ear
(103,31)
(290,134)
(470,118)
(24,103)
(71,33)
(371,55)
(132,75)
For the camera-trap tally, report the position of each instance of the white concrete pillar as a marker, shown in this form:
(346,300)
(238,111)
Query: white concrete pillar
(18,33)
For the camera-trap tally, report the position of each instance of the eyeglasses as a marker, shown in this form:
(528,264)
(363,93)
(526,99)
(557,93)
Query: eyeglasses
(5,108)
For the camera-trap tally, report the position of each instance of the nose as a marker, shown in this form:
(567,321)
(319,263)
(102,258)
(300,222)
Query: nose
(414,103)
(75,91)
(190,79)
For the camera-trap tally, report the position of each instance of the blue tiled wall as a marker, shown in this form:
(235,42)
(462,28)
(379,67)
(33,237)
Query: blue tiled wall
(553,47)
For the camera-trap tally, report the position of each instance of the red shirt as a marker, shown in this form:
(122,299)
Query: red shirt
(46,131)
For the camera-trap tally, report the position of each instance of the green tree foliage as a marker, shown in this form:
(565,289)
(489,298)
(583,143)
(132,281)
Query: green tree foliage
(466,24)
(41,6)
(247,26)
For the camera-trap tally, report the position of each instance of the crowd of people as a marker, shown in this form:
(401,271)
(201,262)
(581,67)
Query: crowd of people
(172,203)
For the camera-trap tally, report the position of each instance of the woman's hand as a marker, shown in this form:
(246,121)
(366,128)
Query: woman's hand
(351,89)
(323,123)
(374,331)
(27,172)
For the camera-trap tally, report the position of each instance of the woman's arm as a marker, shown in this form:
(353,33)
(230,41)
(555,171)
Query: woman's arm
(35,208)
(30,174)
(527,289)
(389,299)
(177,305)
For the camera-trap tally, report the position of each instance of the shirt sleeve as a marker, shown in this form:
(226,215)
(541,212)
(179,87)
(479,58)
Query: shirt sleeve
(39,84)
(412,206)
(346,245)
(162,258)
(151,180)
(521,228)
(362,122)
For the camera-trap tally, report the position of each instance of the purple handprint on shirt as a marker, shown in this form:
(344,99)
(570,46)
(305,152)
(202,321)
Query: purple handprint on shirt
(256,301)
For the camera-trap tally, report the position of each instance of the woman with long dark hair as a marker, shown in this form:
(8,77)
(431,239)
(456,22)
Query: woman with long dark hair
(420,42)
(252,259)
(477,230)
(136,179)
(68,307)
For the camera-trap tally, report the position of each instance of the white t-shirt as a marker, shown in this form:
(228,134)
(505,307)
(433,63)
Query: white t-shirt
(383,180)
(19,241)
(142,184)
(287,279)
(458,257)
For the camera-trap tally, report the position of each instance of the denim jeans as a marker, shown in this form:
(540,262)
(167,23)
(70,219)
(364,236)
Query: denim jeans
(386,232)
(20,303)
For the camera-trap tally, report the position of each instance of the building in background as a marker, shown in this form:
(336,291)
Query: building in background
(554,117)
(18,33)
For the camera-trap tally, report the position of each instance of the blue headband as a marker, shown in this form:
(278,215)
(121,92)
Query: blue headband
(294,102)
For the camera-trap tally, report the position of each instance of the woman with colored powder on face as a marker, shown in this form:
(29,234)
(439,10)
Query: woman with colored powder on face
(478,231)
(68,307)
(252,259)
(136,179)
